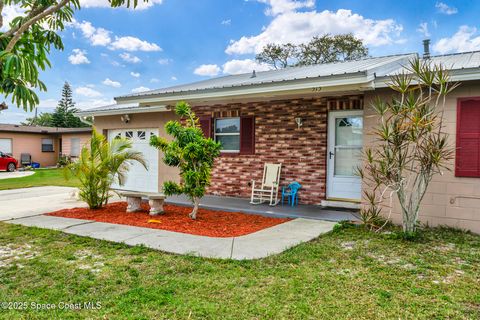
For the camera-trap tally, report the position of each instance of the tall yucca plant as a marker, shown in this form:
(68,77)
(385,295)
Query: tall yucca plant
(99,165)
(410,145)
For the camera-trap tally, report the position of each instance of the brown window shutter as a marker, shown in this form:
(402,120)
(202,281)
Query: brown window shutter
(206,126)
(247,135)
(467,158)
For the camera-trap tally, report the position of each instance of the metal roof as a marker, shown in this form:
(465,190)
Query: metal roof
(378,65)
(451,62)
(5,127)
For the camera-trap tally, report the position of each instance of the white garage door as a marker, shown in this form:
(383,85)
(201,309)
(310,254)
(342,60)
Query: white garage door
(138,178)
(6,145)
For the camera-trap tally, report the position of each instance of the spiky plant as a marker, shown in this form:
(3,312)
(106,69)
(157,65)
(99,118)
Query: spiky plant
(410,146)
(100,164)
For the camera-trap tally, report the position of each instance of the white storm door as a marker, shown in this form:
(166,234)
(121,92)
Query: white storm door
(139,178)
(345,142)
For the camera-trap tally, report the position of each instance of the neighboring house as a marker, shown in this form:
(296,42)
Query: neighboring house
(315,121)
(44,144)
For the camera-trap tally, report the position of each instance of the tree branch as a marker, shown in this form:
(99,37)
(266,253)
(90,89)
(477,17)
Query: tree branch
(35,10)
(32,21)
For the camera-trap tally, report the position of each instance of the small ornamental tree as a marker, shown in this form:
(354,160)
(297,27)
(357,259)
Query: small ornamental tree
(191,152)
(410,146)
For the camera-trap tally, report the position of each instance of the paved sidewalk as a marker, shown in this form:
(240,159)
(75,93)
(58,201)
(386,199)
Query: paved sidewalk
(256,245)
(15,174)
(17,203)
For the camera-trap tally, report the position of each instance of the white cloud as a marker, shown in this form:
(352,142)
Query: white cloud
(135,74)
(445,8)
(140,89)
(244,66)
(277,7)
(87,92)
(207,70)
(93,103)
(102,37)
(423,29)
(105,4)
(300,27)
(164,61)
(112,83)
(129,57)
(465,39)
(154,80)
(173,78)
(9,13)
(78,56)
(227,22)
(96,36)
(129,43)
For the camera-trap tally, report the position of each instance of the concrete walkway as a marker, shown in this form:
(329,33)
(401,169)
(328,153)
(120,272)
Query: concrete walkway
(17,203)
(16,174)
(256,245)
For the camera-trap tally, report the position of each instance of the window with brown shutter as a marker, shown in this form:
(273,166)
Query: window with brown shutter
(247,135)
(206,126)
(467,159)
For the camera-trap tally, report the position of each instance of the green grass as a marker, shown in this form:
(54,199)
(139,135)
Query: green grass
(348,274)
(42,177)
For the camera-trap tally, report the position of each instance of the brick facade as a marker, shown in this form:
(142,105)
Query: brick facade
(302,151)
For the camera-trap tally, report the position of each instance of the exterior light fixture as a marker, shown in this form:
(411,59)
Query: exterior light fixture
(299,122)
(125,118)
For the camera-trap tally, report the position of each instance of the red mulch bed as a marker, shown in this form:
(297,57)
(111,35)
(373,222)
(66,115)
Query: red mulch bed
(208,223)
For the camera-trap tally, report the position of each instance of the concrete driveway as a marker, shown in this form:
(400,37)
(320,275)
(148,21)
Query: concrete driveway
(18,203)
(16,174)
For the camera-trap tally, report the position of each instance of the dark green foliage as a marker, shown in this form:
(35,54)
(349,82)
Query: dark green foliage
(321,49)
(28,40)
(191,152)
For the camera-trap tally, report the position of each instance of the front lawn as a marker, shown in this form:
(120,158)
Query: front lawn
(348,274)
(42,177)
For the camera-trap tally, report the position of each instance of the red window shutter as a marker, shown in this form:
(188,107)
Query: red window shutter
(467,159)
(206,126)
(247,135)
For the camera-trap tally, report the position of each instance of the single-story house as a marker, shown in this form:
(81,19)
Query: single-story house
(44,144)
(315,121)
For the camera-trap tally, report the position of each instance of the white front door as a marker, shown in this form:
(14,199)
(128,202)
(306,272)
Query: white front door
(345,141)
(138,178)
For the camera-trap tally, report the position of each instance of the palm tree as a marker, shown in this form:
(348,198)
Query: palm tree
(101,164)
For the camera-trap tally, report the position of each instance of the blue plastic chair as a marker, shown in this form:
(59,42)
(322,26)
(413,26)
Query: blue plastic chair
(291,193)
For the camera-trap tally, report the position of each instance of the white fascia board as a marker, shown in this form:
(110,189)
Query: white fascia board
(332,84)
(131,110)
(469,74)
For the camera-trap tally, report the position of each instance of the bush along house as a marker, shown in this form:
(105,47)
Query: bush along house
(314,120)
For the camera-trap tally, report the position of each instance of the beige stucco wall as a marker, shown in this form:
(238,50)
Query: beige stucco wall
(139,121)
(436,208)
(66,141)
(32,143)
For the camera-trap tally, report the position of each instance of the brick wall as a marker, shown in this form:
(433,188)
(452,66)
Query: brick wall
(302,151)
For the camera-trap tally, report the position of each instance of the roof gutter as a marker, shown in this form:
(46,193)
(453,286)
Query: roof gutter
(121,111)
(326,84)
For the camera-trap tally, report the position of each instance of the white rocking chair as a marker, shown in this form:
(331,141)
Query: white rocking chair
(269,188)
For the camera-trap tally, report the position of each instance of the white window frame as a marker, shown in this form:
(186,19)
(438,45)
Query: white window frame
(52,144)
(215,134)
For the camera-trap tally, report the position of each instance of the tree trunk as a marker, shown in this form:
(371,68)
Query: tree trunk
(196,203)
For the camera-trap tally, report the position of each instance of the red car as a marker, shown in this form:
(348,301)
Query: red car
(7,162)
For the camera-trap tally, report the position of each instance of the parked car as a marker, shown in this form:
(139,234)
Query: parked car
(7,162)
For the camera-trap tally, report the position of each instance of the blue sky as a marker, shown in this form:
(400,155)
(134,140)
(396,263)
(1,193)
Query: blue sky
(109,52)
